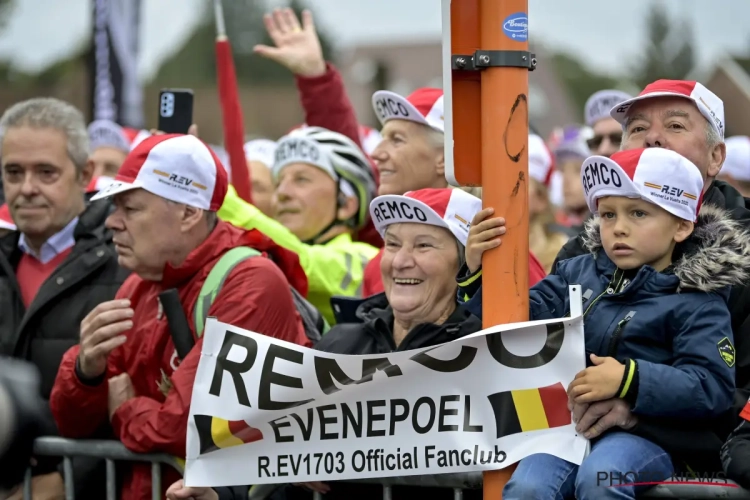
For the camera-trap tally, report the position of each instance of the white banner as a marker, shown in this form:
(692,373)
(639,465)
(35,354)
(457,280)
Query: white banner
(267,411)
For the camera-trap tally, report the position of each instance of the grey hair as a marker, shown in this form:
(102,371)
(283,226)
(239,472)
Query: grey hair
(435,137)
(461,254)
(48,112)
(211,217)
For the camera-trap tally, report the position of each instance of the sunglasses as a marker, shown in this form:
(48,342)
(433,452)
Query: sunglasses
(596,141)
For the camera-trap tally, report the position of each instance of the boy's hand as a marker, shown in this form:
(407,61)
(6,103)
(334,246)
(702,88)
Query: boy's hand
(597,382)
(483,236)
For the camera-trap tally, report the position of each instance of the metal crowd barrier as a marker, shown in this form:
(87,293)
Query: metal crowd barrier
(114,451)
(697,490)
(110,451)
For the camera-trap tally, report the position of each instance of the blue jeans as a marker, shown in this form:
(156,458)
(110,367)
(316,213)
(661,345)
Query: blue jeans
(616,461)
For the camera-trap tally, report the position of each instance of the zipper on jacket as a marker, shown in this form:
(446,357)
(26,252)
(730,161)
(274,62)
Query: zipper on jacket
(615,340)
(614,285)
(585,298)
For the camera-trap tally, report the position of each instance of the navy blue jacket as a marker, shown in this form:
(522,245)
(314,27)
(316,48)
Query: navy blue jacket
(675,325)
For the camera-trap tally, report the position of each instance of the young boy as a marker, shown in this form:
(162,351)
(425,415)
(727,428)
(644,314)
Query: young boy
(657,328)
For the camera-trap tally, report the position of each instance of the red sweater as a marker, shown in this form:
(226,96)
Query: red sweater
(373,282)
(31,274)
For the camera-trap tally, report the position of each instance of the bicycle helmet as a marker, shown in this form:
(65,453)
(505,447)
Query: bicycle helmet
(338,156)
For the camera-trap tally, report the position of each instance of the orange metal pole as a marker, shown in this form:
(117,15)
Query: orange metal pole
(467,95)
(505,275)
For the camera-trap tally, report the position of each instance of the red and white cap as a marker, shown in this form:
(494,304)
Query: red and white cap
(423,106)
(541,161)
(6,221)
(99,183)
(179,168)
(138,138)
(452,209)
(707,102)
(737,164)
(656,175)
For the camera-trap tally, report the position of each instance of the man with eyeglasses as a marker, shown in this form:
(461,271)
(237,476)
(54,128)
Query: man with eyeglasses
(607,135)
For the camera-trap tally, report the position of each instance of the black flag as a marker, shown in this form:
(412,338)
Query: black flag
(116,93)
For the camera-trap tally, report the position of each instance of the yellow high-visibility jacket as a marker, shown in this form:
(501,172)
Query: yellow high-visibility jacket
(334,268)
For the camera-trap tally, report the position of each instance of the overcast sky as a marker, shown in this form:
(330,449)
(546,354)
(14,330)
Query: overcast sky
(606,34)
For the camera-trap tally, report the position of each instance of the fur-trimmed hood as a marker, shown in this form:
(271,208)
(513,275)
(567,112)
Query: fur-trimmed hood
(716,255)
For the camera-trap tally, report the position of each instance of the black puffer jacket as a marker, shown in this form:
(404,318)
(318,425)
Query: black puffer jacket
(50,326)
(374,332)
(721,195)
(374,335)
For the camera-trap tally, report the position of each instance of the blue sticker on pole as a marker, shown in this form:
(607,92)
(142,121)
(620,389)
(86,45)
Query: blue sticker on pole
(516,27)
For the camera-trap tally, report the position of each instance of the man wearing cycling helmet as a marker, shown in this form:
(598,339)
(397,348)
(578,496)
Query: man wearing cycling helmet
(323,188)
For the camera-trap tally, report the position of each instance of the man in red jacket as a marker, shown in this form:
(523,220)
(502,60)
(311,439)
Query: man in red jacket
(126,368)
(410,157)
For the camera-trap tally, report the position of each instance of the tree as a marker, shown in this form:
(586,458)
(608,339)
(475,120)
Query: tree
(669,52)
(579,80)
(195,63)
(6,9)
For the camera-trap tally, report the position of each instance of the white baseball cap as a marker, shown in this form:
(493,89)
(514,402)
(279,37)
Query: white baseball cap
(656,175)
(452,209)
(600,103)
(179,168)
(708,103)
(737,164)
(106,133)
(424,105)
(541,162)
(261,150)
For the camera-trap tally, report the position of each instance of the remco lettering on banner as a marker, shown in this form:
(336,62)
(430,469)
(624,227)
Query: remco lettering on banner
(291,150)
(267,411)
(596,174)
(389,107)
(399,210)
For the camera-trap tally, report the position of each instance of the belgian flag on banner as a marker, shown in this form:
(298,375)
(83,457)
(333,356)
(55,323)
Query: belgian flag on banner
(216,433)
(530,409)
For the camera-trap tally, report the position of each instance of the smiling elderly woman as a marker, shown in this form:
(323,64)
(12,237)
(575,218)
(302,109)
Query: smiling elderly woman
(424,233)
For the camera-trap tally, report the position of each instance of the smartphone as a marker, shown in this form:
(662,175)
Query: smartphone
(175,110)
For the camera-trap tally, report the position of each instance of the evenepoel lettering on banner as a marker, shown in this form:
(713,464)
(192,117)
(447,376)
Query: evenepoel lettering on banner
(268,411)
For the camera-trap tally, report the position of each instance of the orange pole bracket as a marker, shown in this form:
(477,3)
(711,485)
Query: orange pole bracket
(490,64)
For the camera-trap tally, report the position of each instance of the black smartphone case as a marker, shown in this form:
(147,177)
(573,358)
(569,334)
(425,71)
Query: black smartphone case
(175,110)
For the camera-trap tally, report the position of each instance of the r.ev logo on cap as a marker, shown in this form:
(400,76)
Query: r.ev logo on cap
(516,27)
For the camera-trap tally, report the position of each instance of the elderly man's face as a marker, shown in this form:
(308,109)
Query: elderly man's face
(406,160)
(43,190)
(674,123)
(148,232)
(419,269)
(107,161)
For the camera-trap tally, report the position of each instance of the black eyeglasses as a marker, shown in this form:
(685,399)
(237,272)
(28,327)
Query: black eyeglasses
(596,141)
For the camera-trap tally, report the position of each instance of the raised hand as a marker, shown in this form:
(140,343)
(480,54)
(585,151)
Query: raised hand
(297,47)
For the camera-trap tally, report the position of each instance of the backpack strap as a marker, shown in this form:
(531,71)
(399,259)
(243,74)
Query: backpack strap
(214,282)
